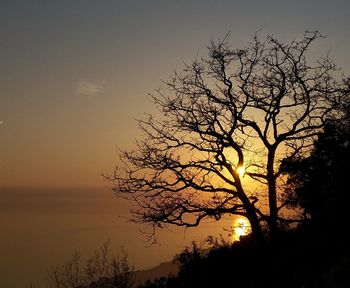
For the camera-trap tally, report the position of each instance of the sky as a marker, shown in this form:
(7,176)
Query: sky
(75,74)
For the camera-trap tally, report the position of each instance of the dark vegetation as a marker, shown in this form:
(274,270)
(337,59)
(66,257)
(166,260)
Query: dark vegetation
(100,270)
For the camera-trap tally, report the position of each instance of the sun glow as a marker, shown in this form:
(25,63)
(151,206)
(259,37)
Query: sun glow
(241,171)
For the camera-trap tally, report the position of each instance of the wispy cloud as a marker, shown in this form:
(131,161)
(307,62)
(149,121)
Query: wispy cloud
(88,88)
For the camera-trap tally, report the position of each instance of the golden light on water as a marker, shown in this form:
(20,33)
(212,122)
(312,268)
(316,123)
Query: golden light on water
(241,227)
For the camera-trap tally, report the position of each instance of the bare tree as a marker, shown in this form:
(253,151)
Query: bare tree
(99,265)
(237,113)
(55,278)
(103,266)
(121,271)
(67,276)
(101,270)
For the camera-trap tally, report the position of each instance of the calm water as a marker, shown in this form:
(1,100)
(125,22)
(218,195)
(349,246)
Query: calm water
(41,228)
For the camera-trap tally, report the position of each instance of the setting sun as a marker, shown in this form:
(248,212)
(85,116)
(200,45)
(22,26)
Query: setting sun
(241,171)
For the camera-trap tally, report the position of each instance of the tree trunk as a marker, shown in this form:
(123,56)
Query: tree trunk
(255,226)
(271,180)
(250,214)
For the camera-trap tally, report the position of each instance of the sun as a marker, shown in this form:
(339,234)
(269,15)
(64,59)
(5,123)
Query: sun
(241,171)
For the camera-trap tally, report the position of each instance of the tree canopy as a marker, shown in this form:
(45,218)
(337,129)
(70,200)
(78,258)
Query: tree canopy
(253,108)
(318,183)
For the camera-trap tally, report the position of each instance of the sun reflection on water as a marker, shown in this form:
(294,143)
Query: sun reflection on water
(240,227)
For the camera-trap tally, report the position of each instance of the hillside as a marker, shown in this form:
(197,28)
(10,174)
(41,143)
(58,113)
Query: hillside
(162,270)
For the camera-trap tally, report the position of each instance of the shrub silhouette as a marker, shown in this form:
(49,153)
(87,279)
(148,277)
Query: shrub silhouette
(102,270)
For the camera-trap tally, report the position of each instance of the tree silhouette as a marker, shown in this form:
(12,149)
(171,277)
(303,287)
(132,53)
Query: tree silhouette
(101,270)
(319,186)
(245,108)
(319,183)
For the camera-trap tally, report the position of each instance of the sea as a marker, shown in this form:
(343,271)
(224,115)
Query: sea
(40,228)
